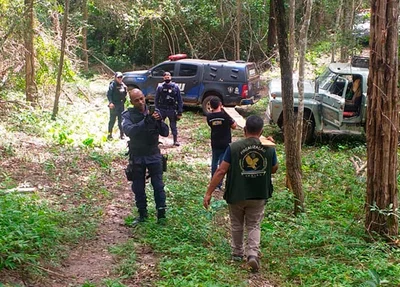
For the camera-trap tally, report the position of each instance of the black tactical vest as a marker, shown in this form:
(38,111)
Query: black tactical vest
(146,141)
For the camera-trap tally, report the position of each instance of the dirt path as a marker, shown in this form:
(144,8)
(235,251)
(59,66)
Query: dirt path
(92,261)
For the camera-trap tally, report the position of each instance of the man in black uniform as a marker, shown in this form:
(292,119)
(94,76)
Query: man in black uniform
(116,96)
(143,129)
(169,101)
(221,124)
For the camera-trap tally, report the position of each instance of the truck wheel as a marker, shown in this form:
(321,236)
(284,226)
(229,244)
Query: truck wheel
(205,105)
(308,128)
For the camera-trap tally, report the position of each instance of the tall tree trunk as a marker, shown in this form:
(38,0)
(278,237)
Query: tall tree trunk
(335,33)
(85,56)
(60,67)
(293,165)
(382,115)
(30,87)
(237,34)
(302,55)
(153,43)
(292,31)
(271,39)
(347,24)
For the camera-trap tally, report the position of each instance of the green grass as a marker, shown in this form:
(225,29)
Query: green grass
(31,231)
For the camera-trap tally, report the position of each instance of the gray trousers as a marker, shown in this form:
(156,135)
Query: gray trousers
(246,214)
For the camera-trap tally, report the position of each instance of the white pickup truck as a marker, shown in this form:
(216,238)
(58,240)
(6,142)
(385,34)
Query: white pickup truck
(329,101)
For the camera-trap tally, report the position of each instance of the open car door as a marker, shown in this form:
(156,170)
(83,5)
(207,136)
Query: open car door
(332,103)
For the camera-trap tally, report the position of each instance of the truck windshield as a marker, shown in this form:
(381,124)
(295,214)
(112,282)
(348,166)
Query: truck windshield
(326,79)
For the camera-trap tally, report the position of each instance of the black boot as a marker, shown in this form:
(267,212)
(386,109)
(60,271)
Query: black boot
(141,218)
(121,135)
(109,137)
(176,143)
(161,215)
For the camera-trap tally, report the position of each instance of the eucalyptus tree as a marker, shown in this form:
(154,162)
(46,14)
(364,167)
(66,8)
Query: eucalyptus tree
(61,64)
(85,54)
(293,164)
(382,213)
(272,33)
(302,46)
(30,87)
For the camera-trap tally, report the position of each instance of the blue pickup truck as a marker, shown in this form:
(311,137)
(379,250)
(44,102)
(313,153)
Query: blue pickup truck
(234,82)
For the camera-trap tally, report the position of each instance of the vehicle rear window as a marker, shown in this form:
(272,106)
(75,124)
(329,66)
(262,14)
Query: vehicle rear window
(187,70)
(251,71)
(161,69)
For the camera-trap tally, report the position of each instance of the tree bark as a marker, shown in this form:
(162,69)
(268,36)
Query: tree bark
(60,67)
(272,34)
(292,31)
(336,29)
(302,55)
(293,165)
(237,32)
(153,43)
(382,133)
(30,87)
(347,24)
(85,56)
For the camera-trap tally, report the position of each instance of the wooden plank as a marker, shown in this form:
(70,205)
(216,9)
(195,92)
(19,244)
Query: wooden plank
(266,142)
(241,122)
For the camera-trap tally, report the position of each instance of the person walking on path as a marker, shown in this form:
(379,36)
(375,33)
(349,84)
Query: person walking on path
(169,101)
(248,165)
(116,96)
(143,129)
(221,124)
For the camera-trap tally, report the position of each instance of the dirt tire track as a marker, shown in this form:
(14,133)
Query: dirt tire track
(92,261)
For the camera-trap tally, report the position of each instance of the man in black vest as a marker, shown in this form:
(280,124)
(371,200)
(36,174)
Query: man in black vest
(168,99)
(143,129)
(248,165)
(116,96)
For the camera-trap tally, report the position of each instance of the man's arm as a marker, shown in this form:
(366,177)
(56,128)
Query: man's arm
(110,93)
(129,128)
(179,100)
(216,179)
(274,162)
(126,91)
(163,128)
(157,97)
(232,122)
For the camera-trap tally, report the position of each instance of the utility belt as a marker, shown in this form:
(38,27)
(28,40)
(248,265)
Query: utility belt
(129,169)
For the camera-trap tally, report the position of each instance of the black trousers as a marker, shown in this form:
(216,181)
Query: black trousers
(114,114)
(139,184)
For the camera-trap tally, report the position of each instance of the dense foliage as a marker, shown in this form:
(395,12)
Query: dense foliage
(125,35)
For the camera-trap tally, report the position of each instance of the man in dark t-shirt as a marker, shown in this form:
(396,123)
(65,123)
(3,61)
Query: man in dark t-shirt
(221,124)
